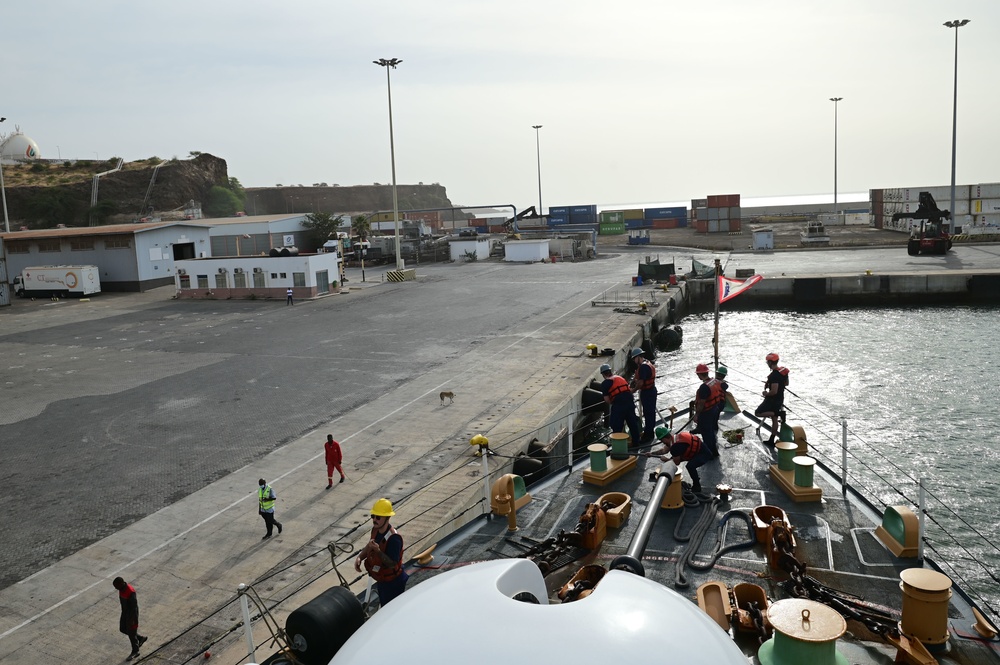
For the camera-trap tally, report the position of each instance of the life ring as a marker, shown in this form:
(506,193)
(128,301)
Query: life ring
(318,629)
(70,280)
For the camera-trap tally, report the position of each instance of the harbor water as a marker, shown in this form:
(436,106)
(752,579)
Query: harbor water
(916,389)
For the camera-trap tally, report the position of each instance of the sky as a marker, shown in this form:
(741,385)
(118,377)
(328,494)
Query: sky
(640,102)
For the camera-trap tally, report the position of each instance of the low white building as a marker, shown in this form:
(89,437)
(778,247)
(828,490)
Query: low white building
(526,251)
(463,248)
(308,275)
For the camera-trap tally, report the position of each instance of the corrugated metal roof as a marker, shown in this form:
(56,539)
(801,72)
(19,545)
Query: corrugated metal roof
(77,231)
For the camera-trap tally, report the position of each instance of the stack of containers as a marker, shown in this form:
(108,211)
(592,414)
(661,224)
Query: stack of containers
(699,215)
(611,222)
(721,214)
(875,203)
(984,208)
(558,215)
(907,199)
(431,217)
(634,218)
(583,214)
(665,218)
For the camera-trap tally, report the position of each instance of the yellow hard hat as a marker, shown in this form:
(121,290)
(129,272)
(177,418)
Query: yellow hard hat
(383,508)
(479,440)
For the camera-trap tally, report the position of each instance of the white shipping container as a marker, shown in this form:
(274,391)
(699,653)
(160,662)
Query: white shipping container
(985,206)
(985,191)
(961,207)
(940,194)
(983,224)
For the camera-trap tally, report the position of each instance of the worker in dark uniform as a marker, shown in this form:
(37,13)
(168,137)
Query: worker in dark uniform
(774,394)
(644,382)
(720,376)
(685,447)
(708,401)
(383,555)
(616,393)
(129,621)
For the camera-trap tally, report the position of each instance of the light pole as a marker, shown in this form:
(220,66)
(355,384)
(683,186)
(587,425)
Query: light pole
(3,191)
(836,104)
(391,64)
(957,23)
(538,155)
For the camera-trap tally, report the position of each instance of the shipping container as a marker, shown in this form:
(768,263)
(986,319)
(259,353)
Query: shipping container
(701,226)
(611,228)
(942,195)
(558,210)
(611,216)
(733,200)
(633,213)
(699,203)
(583,210)
(992,221)
(735,225)
(985,191)
(723,226)
(735,212)
(682,223)
(701,213)
(985,206)
(713,226)
(724,213)
(669,223)
(555,220)
(715,201)
(583,218)
(713,214)
(636,224)
(665,213)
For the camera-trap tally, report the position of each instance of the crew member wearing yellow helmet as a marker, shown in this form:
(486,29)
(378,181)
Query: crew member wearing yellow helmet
(383,555)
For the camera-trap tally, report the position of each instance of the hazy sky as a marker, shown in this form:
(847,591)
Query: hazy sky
(640,102)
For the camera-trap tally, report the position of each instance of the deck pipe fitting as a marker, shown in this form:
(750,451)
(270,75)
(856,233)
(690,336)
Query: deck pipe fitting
(926,594)
(619,445)
(631,561)
(804,632)
(598,457)
(724,491)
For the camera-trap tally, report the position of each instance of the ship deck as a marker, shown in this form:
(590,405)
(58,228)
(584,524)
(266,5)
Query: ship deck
(835,539)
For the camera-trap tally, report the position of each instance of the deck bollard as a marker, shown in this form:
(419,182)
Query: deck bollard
(786,453)
(598,457)
(619,445)
(804,470)
(926,594)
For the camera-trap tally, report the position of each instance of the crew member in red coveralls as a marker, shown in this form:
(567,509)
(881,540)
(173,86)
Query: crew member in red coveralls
(129,622)
(383,555)
(334,457)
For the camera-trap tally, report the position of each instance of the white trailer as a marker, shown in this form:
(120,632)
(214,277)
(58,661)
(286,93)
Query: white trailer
(57,281)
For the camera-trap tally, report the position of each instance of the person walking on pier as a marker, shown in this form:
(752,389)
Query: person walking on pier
(265,502)
(644,382)
(708,402)
(774,394)
(685,447)
(383,555)
(334,458)
(129,621)
(617,394)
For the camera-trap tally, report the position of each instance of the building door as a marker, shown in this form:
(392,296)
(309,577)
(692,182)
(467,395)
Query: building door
(322,281)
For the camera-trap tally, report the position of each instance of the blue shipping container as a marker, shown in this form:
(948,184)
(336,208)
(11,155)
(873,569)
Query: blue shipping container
(638,224)
(576,218)
(665,213)
(560,210)
(583,210)
(558,219)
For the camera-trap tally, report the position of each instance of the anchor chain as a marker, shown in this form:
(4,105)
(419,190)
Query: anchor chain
(801,585)
(757,616)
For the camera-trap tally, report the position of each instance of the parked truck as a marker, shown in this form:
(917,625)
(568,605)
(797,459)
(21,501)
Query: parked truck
(57,281)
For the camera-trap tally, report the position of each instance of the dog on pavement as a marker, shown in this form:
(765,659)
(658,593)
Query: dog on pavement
(447,394)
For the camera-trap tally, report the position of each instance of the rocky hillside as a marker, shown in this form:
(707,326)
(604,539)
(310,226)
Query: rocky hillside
(46,193)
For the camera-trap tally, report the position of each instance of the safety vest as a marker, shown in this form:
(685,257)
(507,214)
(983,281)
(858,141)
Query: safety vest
(373,562)
(716,395)
(649,383)
(263,498)
(618,386)
(693,444)
(783,371)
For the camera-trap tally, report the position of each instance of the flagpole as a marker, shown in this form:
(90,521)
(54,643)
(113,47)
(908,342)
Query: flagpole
(715,338)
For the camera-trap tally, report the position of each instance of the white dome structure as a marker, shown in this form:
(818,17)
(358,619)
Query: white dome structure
(18,147)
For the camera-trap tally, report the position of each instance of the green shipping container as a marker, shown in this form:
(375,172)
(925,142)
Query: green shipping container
(635,213)
(611,228)
(611,216)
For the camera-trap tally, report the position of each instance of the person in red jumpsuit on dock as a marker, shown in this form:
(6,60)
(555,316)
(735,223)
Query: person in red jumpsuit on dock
(334,458)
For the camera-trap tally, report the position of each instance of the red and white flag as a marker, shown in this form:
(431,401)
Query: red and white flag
(730,288)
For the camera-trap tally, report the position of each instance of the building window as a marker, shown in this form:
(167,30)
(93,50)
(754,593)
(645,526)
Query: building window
(220,280)
(240,280)
(298,279)
(274,275)
(202,281)
(322,281)
(118,243)
(48,246)
(258,280)
(18,247)
(81,244)
(284,275)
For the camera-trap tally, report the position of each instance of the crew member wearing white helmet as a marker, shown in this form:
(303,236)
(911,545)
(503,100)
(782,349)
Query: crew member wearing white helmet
(383,555)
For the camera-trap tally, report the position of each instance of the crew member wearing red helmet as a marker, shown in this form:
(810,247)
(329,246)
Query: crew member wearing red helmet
(707,401)
(618,396)
(774,394)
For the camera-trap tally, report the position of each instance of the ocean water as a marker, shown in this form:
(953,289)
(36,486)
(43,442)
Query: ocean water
(916,388)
